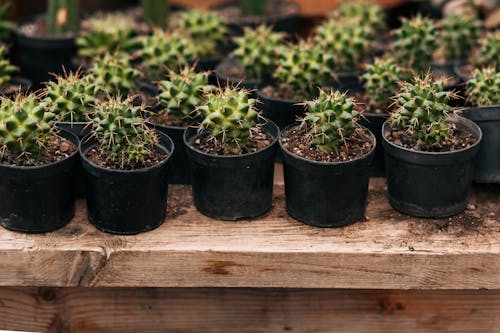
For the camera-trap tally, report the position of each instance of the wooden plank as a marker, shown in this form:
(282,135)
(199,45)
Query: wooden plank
(109,310)
(388,251)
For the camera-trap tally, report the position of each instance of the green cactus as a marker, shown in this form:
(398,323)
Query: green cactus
(121,132)
(423,112)
(483,88)
(258,51)
(25,126)
(6,26)
(156,12)
(229,116)
(459,35)
(205,28)
(62,16)
(71,96)
(303,67)
(365,13)
(347,42)
(182,94)
(254,7)
(381,82)
(107,33)
(488,53)
(330,120)
(6,68)
(416,42)
(164,51)
(114,74)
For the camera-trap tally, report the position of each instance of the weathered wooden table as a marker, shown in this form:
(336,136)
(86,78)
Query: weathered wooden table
(389,273)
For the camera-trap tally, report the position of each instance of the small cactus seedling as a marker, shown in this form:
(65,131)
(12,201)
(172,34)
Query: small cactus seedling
(416,43)
(205,28)
(6,68)
(229,116)
(381,82)
(114,74)
(459,35)
(488,53)
(258,51)
(25,126)
(163,51)
(254,7)
(182,94)
(121,132)
(71,96)
(106,33)
(365,13)
(347,41)
(62,16)
(6,26)
(423,112)
(483,88)
(156,12)
(303,67)
(330,120)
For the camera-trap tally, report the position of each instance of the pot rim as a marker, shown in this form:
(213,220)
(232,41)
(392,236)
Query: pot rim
(51,38)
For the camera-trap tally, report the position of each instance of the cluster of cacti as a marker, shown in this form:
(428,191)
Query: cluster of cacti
(303,67)
(114,74)
(156,12)
(347,41)
(25,126)
(5,25)
(258,50)
(205,28)
(182,94)
(71,96)
(107,33)
(330,120)
(164,51)
(459,35)
(229,115)
(62,16)
(122,133)
(365,13)
(488,53)
(416,42)
(381,81)
(423,112)
(6,68)
(484,87)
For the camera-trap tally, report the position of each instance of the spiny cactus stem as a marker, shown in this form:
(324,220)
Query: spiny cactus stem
(62,16)
(254,7)
(156,12)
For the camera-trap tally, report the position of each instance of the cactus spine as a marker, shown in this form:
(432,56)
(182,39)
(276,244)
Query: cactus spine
(488,53)
(62,16)
(114,74)
(6,68)
(254,7)
(483,88)
(459,35)
(156,12)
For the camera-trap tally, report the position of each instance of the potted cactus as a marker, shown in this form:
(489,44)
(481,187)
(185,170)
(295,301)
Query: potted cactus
(254,59)
(326,161)
(485,54)
(47,44)
(36,167)
(232,156)
(115,75)
(178,98)
(125,163)
(300,71)
(10,85)
(483,94)
(430,151)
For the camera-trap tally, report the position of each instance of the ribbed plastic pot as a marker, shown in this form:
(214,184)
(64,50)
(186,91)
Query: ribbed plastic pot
(39,199)
(280,111)
(232,188)
(374,122)
(326,195)
(488,160)
(430,184)
(127,202)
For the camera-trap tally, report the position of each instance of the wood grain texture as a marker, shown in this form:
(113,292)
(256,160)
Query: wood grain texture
(388,251)
(121,310)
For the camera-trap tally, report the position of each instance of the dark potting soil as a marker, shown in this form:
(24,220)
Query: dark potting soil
(39,28)
(232,70)
(233,13)
(103,159)
(363,105)
(298,142)
(167,120)
(281,91)
(466,71)
(57,149)
(460,140)
(258,141)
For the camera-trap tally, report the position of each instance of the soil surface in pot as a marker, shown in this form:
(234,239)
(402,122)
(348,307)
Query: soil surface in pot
(363,105)
(167,120)
(103,159)
(465,71)
(233,71)
(232,12)
(39,28)
(258,141)
(297,141)
(57,149)
(281,91)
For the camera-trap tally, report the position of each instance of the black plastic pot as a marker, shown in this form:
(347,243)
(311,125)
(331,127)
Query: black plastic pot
(326,195)
(41,56)
(488,160)
(126,202)
(223,80)
(206,64)
(280,111)
(38,199)
(430,184)
(374,122)
(231,188)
